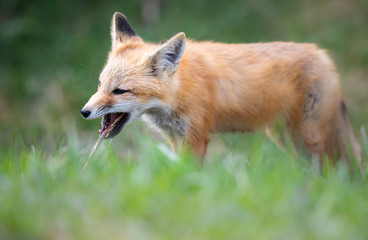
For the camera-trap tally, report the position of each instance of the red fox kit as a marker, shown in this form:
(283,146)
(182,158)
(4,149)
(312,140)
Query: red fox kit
(190,89)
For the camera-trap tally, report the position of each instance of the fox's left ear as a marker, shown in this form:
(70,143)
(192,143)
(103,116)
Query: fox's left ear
(121,30)
(167,57)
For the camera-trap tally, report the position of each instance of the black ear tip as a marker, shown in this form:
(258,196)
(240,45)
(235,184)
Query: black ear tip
(122,24)
(119,15)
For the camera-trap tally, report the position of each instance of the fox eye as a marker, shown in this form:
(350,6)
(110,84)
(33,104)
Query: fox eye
(119,91)
(99,83)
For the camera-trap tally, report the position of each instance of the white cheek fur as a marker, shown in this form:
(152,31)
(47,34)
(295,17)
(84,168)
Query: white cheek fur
(127,106)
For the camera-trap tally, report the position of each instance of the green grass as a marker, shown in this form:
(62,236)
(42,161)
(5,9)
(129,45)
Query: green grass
(249,191)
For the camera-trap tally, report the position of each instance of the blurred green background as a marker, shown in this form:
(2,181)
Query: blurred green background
(52,51)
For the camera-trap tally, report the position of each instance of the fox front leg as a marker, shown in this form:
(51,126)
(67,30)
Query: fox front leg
(198,144)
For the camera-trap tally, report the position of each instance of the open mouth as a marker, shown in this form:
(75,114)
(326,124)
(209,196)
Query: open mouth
(109,119)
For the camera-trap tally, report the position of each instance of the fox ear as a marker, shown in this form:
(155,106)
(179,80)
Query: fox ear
(121,30)
(167,57)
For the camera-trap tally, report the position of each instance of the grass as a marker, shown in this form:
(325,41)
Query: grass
(249,191)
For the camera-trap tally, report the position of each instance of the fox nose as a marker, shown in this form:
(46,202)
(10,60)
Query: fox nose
(85,113)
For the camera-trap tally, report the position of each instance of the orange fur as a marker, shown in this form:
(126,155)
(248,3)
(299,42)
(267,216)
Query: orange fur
(229,87)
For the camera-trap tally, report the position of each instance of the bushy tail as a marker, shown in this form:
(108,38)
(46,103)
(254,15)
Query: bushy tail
(348,129)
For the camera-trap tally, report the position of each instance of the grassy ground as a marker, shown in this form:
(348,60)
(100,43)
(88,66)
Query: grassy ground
(251,192)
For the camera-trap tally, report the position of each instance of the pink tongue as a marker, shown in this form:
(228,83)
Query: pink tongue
(103,129)
(112,119)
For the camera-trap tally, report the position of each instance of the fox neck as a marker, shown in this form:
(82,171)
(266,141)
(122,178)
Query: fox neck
(167,120)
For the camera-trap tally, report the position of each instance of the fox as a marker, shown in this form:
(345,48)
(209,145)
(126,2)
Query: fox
(190,89)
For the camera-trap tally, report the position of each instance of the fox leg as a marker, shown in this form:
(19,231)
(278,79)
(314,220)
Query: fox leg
(198,143)
(309,142)
(200,148)
(312,125)
(171,142)
(296,143)
(274,139)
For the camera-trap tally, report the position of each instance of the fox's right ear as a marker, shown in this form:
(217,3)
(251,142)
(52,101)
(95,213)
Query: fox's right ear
(121,30)
(167,57)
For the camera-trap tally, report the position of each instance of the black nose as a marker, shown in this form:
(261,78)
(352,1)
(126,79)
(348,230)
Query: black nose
(85,113)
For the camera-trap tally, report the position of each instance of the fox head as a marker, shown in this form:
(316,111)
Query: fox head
(136,77)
